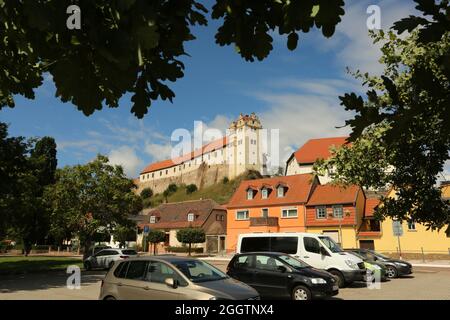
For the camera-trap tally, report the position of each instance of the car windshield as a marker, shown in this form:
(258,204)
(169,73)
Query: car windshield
(333,246)
(296,263)
(199,271)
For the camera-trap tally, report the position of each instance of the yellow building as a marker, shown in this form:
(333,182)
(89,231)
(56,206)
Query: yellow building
(416,239)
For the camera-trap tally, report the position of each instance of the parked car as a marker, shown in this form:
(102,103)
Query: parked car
(375,269)
(394,267)
(106,258)
(278,275)
(171,278)
(317,250)
(94,249)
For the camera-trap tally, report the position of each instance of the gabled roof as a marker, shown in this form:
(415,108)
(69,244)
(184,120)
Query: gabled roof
(370,206)
(165,164)
(328,194)
(299,188)
(315,149)
(174,215)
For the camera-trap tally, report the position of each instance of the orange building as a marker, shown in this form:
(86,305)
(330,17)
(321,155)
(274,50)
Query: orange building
(268,205)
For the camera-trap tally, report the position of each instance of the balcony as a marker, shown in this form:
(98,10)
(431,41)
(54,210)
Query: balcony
(262,221)
(369,234)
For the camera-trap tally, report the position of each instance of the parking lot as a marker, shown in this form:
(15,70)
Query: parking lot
(424,283)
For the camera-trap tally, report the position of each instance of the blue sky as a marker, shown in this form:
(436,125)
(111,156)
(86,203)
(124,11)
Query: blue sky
(294,91)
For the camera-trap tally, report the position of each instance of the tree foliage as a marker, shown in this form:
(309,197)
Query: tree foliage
(90,198)
(190,236)
(191,188)
(154,237)
(146,193)
(400,134)
(134,46)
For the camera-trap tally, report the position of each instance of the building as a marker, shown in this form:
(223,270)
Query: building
(302,160)
(239,150)
(171,217)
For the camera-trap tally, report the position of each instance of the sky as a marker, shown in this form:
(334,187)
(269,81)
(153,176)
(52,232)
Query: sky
(293,91)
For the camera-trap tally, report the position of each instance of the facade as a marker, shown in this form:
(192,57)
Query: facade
(302,160)
(171,217)
(239,150)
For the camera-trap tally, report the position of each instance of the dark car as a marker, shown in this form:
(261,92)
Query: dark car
(394,267)
(278,275)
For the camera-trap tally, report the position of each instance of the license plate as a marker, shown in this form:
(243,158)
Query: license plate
(335,287)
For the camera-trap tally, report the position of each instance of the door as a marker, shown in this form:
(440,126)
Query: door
(268,279)
(367,244)
(131,284)
(110,256)
(242,269)
(312,255)
(155,279)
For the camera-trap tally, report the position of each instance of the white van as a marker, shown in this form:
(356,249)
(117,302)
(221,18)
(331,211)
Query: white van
(319,251)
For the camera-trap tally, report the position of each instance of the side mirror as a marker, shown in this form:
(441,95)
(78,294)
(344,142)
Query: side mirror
(171,282)
(282,269)
(324,252)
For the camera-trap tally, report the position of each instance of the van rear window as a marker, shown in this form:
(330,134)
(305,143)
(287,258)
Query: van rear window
(286,245)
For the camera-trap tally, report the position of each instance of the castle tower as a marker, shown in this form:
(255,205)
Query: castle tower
(244,149)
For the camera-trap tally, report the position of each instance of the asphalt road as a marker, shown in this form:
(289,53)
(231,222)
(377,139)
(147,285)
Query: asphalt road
(425,283)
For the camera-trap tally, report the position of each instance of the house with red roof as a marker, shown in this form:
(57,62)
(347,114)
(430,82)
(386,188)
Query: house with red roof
(302,160)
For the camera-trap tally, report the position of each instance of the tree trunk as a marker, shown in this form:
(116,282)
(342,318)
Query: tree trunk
(189,249)
(86,247)
(154,248)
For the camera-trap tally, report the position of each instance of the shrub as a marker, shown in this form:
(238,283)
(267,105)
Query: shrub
(172,188)
(225,180)
(146,193)
(184,249)
(191,188)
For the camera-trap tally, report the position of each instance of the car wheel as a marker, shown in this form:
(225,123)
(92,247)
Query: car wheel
(87,266)
(391,272)
(340,280)
(301,293)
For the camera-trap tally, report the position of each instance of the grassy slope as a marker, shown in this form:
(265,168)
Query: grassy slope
(20,265)
(220,192)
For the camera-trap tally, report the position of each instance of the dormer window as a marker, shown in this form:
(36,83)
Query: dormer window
(191,217)
(264,193)
(280,191)
(249,194)
(152,219)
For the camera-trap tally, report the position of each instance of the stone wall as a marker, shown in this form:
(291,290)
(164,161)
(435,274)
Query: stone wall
(204,176)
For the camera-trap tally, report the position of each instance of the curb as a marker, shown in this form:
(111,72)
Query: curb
(431,265)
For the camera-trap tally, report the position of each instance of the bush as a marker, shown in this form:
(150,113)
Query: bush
(225,180)
(172,188)
(191,188)
(184,249)
(146,193)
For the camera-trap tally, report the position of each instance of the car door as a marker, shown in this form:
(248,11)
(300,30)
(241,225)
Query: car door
(131,285)
(269,279)
(97,258)
(156,288)
(242,269)
(312,254)
(110,256)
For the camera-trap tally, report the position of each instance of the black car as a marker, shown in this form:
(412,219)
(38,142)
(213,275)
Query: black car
(278,275)
(394,267)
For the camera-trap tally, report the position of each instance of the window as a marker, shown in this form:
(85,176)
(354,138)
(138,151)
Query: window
(243,262)
(153,175)
(191,217)
(267,263)
(311,245)
(158,272)
(175,169)
(321,212)
(251,244)
(338,212)
(249,194)
(289,213)
(136,270)
(265,212)
(411,225)
(220,217)
(152,219)
(286,245)
(167,172)
(242,215)
(198,271)
(160,173)
(121,270)
(280,191)
(264,193)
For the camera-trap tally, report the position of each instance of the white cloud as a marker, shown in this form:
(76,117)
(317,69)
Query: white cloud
(126,157)
(158,151)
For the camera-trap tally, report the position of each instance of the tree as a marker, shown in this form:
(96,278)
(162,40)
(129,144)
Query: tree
(134,46)
(124,232)
(146,193)
(191,188)
(190,236)
(400,133)
(90,198)
(154,237)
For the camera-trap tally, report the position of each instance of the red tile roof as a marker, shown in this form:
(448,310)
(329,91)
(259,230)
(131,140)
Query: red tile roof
(370,207)
(328,194)
(298,190)
(165,164)
(317,149)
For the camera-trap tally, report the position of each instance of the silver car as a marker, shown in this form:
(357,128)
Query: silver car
(106,258)
(171,278)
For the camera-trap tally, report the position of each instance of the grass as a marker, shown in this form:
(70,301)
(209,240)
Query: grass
(219,192)
(21,265)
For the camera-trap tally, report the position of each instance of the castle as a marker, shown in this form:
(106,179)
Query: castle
(239,150)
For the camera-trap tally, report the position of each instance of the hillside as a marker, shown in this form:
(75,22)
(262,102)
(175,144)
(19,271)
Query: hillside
(220,192)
